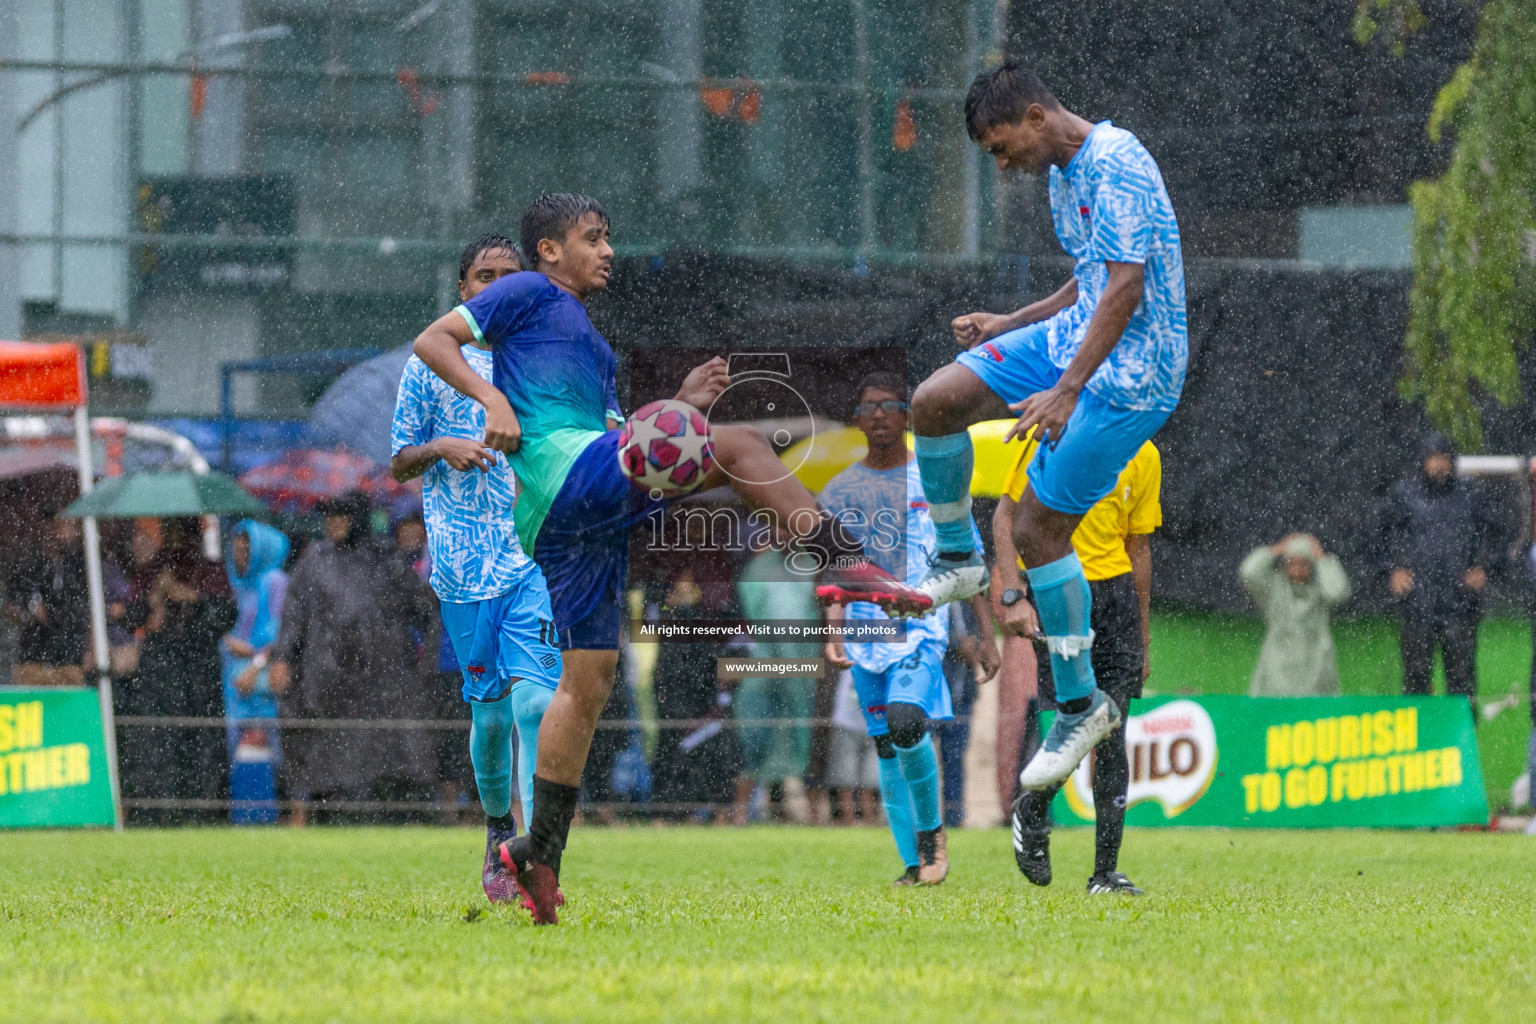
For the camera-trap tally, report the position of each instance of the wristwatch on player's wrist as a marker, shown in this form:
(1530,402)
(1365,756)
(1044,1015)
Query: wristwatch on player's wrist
(1010,597)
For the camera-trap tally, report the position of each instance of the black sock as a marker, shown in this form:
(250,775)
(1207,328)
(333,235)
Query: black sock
(1035,807)
(1111,781)
(501,823)
(554,805)
(955,556)
(1076,707)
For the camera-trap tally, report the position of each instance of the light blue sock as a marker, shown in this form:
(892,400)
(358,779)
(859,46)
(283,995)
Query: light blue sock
(529,699)
(490,749)
(945,464)
(1066,606)
(920,767)
(898,809)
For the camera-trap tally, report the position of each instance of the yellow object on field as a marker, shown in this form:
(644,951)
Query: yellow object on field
(815,461)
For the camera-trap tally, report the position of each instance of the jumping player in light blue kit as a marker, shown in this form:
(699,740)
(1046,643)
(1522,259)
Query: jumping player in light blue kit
(901,686)
(495,605)
(1096,368)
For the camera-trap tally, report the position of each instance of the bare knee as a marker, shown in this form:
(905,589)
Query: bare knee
(586,680)
(935,409)
(1041,535)
(589,704)
(950,400)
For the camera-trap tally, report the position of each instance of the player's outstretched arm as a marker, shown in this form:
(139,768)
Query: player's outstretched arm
(974,328)
(438,346)
(1049,410)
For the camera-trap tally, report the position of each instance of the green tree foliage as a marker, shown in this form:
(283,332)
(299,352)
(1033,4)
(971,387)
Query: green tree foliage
(1394,20)
(1473,303)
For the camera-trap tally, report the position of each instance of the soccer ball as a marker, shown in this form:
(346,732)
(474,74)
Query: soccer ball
(665,447)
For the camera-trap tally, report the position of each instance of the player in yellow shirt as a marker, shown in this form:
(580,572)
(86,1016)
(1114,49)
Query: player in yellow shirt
(1112,544)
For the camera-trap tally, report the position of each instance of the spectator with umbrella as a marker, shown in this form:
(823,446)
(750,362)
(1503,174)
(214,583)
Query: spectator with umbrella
(182,602)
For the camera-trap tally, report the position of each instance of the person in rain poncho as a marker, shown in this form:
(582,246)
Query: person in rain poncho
(1296,586)
(344,652)
(254,565)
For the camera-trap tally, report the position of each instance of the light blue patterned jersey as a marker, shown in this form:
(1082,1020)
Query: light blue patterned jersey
(471,534)
(1109,203)
(885,509)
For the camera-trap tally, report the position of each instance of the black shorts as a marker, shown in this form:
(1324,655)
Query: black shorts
(1116,651)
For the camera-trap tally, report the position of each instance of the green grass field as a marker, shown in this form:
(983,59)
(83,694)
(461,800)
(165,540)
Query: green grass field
(690,924)
(1201,653)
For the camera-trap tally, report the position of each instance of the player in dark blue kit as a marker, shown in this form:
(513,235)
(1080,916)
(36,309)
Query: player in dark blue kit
(554,409)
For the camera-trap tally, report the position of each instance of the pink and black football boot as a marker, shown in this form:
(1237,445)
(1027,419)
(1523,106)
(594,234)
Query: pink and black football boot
(850,575)
(536,882)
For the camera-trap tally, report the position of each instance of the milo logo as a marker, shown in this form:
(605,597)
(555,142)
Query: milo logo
(1172,752)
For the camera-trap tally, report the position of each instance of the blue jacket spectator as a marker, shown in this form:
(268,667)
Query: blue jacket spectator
(254,564)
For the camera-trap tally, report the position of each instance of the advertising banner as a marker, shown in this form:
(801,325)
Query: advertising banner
(1393,762)
(53,762)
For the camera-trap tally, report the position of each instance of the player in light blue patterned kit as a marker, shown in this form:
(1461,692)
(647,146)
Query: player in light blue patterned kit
(495,605)
(1095,370)
(901,686)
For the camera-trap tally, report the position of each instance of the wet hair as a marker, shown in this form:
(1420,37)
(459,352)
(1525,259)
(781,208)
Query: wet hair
(486,243)
(1002,95)
(882,380)
(552,216)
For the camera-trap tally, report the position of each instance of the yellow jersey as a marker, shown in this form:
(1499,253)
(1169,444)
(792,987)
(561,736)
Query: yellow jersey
(1131,508)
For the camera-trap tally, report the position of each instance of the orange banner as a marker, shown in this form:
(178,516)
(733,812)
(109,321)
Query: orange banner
(41,376)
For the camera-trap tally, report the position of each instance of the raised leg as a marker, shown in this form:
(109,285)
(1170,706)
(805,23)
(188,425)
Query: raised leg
(943,407)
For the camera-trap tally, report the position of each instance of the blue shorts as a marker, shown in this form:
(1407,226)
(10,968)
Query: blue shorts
(583,546)
(916,679)
(503,639)
(1081,467)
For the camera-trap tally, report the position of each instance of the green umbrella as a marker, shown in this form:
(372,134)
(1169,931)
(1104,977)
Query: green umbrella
(179,493)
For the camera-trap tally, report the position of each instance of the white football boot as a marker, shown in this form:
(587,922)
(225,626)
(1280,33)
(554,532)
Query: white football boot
(948,580)
(1069,740)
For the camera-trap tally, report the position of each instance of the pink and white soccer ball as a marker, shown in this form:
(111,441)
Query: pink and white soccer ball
(665,447)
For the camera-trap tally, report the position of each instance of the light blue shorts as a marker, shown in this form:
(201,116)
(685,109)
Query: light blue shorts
(502,639)
(916,679)
(1073,473)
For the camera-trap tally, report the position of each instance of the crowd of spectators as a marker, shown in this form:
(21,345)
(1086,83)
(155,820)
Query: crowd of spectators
(341,629)
(218,662)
